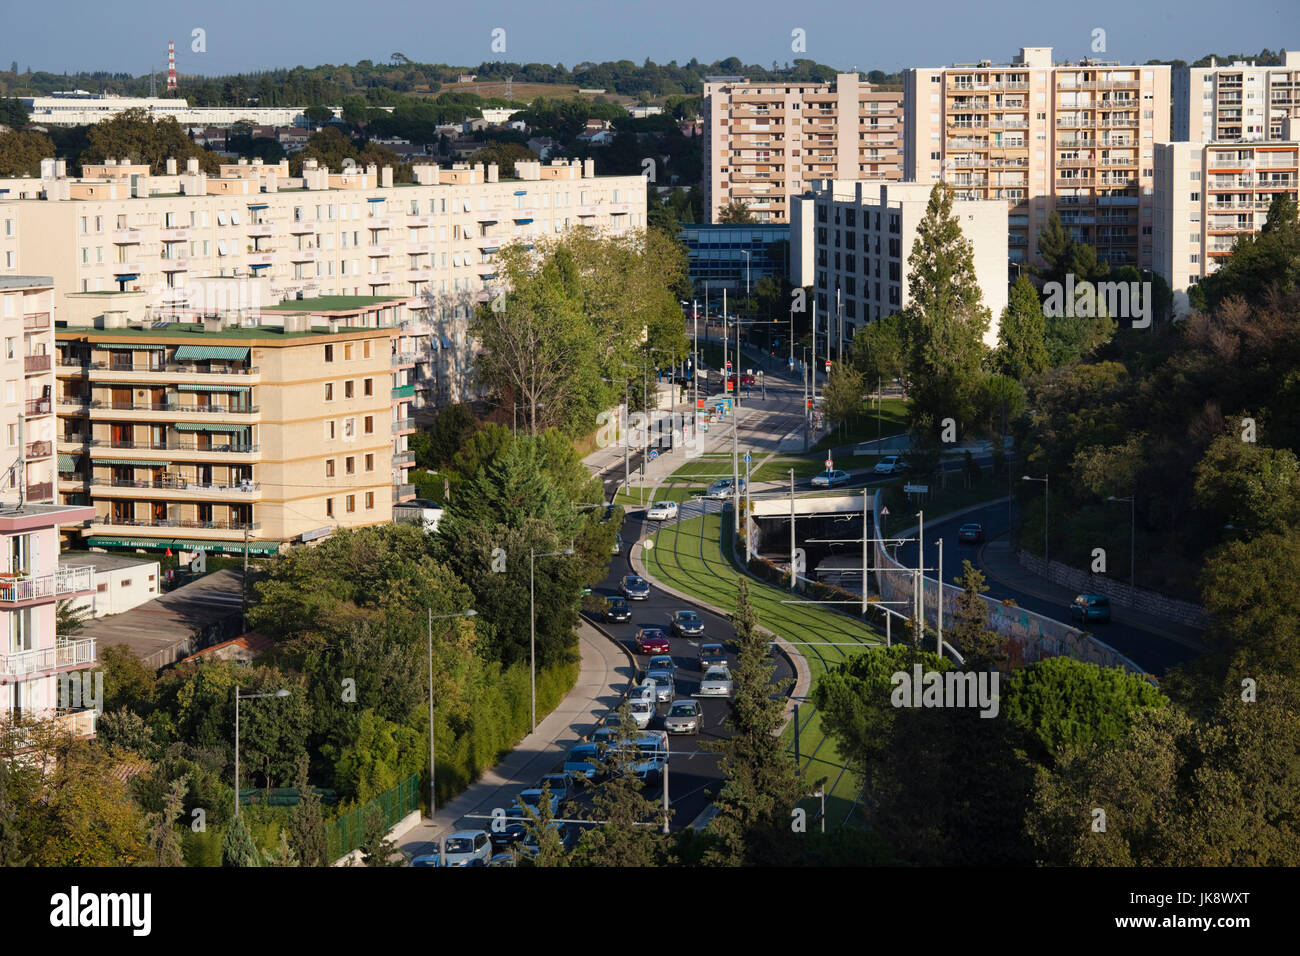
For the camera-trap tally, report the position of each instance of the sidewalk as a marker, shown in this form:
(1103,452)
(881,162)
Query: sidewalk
(603,678)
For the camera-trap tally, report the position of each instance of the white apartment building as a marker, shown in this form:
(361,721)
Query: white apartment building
(27,415)
(1223,102)
(81,108)
(1075,138)
(862,233)
(767,142)
(1209,194)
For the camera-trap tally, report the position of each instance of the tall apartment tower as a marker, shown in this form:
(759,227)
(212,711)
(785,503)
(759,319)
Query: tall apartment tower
(1077,138)
(766,142)
(1224,102)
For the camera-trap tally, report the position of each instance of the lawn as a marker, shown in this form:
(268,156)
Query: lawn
(689,557)
(940,501)
(893,421)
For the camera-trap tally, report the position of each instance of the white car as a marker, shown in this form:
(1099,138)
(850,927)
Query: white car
(642,713)
(662,511)
(468,848)
(646,691)
(890,465)
(716,683)
(722,489)
(829,479)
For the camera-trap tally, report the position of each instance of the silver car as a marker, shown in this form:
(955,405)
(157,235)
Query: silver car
(468,848)
(663,681)
(683,717)
(716,683)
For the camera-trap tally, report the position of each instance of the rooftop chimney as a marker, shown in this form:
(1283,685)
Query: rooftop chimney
(386,176)
(492,172)
(171,166)
(588,169)
(192,165)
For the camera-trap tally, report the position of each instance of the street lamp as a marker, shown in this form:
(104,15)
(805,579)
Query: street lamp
(433,796)
(1046,491)
(532,621)
(1132,535)
(238,697)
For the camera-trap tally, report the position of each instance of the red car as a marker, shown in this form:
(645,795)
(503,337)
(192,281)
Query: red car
(746,380)
(652,640)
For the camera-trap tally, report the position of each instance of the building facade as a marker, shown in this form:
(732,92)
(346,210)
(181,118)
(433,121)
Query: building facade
(1074,138)
(766,142)
(1208,195)
(1224,102)
(80,108)
(27,424)
(735,257)
(862,234)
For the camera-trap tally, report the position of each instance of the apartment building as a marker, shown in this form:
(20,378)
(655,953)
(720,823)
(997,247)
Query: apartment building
(34,660)
(80,108)
(246,428)
(1075,138)
(1224,102)
(862,234)
(1209,194)
(766,142)
(27,426)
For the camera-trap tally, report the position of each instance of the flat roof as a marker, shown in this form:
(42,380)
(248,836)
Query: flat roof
(333,303)
(102,560)
(185,333)
(26,282)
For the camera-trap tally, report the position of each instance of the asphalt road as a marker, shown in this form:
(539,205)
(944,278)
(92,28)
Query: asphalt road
(1154,652)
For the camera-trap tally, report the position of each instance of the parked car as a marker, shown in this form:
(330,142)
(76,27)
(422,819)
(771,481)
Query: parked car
(972,533)
(635,587)
(616,609)
(468,848)
(688,624)
(583,761)
(712,655)
(643,711)
(618,545)
(746,380)
(662,662)
(559,783)
(716,683)
(664,685)
(890,465)
(1091,608)
(662,511)
(533,798)
(721,489)
(829,479)
(512,832)
(652,640)
(651,753)
(683,717)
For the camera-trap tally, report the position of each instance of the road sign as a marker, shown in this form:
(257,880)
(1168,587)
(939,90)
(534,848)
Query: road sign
(728,384)
(747,458)
(884,512)
(728,365)
(828,365)
(829,464)
(749,371)
(792,363)
(916,489)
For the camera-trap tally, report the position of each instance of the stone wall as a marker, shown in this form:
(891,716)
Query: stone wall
(1151,602)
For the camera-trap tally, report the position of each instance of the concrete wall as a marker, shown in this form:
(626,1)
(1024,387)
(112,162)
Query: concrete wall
(1082,581)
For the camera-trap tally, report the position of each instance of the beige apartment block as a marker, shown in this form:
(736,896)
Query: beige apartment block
(27,425)
(1075,138)
(1207,196)
(767,142)
(862,234)
(1224,102)
(268,426)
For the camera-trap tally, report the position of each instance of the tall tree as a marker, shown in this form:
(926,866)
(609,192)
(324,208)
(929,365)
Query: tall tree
(736,213)
(1022,351)
(980,646)
(162,838)
(237,846)
(843,394)
(878,351)
(307,822)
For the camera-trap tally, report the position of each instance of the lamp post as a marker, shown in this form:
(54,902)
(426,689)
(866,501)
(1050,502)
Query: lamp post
(1046,492)
(1132,536)
(532,622)
(238,697)
(433,794)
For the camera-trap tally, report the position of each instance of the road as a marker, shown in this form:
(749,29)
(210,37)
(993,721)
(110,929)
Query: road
(1154,652)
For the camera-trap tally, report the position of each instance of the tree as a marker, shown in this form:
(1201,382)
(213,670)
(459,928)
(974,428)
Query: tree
(944,325)
(843,394)
(736,213)
(544,833)
(979,645)
(1250,485)
(128,682)
(162,837)
(11,833)
(1248,589)
(21,152)
(318,115)
(377,847)
(70,620)
(1022,351)
(123,731)
(878,351)
(307,822)
(13,113)
(135,135)
(762,783)
(237,847)
(282,855)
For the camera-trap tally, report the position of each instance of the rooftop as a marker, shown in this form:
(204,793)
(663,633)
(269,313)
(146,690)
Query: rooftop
(180,333)
(333,303)
(102,561)
(26,282)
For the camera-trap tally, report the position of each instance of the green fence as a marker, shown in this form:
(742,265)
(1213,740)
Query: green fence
(344,834)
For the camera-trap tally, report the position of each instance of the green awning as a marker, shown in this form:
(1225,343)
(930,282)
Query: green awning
(129,461)
(404,391)
(204,427)
(135,347)
(161,544)
(235,352)
(68,462)
(96,541)
(213,388)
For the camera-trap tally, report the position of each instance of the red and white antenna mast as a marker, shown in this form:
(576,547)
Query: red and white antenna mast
(171,64)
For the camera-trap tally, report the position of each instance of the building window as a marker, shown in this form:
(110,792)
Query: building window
(329,467)
(349,387)
(370,462)
(370,499)
(347,352)
(350,464)
(352,503)
(369,386)
(329,430)
(370,424)
(329,353)
(329,507)
(126,582)
(329,391)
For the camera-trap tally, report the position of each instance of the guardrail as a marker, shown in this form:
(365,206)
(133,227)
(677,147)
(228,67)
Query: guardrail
(32,587)
(78,653)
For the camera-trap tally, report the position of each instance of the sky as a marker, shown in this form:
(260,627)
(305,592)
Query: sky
(245,35)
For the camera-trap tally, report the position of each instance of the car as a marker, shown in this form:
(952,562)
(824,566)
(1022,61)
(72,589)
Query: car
(663,681)
(467,848)
(583,761)
(829,479)
(568,839)
(606,735)
(652,640)
(746,380)
(1091,608)
(616,609)
(972,533)
(533,798)
(618,545)
(560,784)
(651,753)
(646,690)
(511,831)
(684,717)
(643,711)
(635,587)
(586,590)
(504,859)
(890,465)
(712,655)
(716,683)
(722,489)
(688,624)
(661,511)
(662,662)
(425,859)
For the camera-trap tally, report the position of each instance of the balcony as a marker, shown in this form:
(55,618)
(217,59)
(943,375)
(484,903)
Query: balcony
(415,220)
(175,407)
(43,492)
(65,654)
(261,258)
(375,252)
(379,222)
(302,226)
(36,321)
(174,234)
(175,265)
(488,215)
(39,449)
(404,458)
(403,358)
(37,363)
(403,425)
(181,484)
(402,492)
(379,278)
(260,230)
(224,448)
(127,237)
(167,369)
(79,723)
(37,406)
(302,255)
(126,268)
(15,589)
(191,523)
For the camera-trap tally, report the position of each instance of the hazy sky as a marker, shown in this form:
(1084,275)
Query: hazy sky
(257,34)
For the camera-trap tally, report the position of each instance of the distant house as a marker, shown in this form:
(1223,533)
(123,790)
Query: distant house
(641,112)
(596,124)
(467,78)
(245,649)
(601,137)
(691,127)
(543,146)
